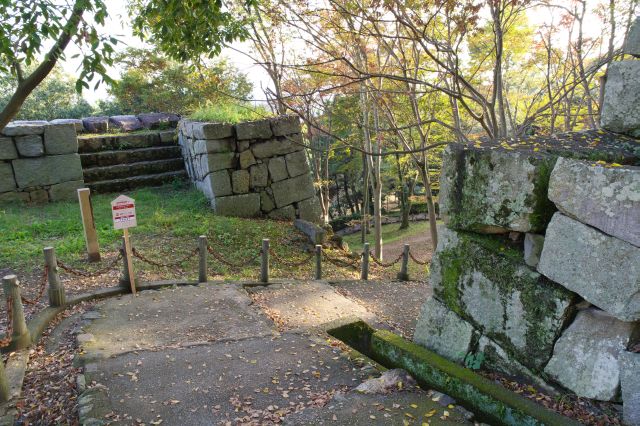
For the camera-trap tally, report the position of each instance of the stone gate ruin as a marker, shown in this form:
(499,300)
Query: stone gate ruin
(538,265)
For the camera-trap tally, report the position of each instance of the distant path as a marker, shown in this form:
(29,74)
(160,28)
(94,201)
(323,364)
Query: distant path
(420,246)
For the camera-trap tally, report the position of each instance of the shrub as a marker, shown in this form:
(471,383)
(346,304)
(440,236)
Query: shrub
(229,113)
(344,221)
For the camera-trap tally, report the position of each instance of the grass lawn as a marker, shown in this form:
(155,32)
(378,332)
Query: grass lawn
(390,233)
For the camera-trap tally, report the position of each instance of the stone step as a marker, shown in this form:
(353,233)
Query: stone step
(114,157)
(97,174)
(96,143)
(121,185)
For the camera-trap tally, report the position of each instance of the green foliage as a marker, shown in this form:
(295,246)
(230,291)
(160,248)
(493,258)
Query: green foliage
(342,222)
(474,361)
(229,113)
(55,97)
(152,82)
(188,29)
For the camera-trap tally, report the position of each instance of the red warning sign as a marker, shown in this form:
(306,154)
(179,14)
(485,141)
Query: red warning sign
(123,211)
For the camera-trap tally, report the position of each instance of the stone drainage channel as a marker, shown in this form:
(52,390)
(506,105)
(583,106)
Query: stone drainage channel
(183,352)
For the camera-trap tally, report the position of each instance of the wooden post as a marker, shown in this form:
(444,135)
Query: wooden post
(264,266)
(20,337)
(364,274)
(202,252)
(89,225)
(56,293)
(404,268)
(129,259)
(4,384)
(125,277)
(318,262)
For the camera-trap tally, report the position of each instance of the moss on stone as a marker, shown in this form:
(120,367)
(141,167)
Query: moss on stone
(490,401)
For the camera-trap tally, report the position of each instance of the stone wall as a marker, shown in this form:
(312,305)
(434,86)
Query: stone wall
(538,263)
(251,169)
(39,162)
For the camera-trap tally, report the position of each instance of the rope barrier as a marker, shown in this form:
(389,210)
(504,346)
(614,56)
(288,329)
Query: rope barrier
(242,264)
(145,259)
(289,263)
(8,336)
(43,286)
(78,272)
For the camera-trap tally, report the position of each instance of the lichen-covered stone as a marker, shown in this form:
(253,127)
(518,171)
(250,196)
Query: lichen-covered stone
(7,149)
(278,169)
(60,139)
(607,198)
(602,269)
(96,124)
(533,244)
(22,128)
(244,205)
(216,184)
(247,159)
(620,108)
(495,190)
(485,281)
(632,47)
(279,146)
(198,130)
(441,330)
(291,190)
(65,190)
(260,129)
(7,182)
(29,145)
(297,163)
(266,202)
(240,181)
(630,385)
(47,170)
(127,123)
(213,146)
(11,197)
(223,160)
(285,125)
(156,120)
(77,123)
(259,176)
(586,356)
(310,210)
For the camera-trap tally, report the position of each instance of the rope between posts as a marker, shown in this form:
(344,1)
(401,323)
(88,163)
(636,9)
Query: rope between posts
(43,286)
(242,264)
(142,257)
(111,265)
(8,336)
(385,265)
(289,263)
(419,262)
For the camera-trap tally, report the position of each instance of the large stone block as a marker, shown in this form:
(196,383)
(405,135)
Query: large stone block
(632,46)
(7,181)
(157,120)
(297,163)
(13,196)
(215,162)
(285,213)
(23,128)
(278,169)
(77,123)
(630,386)
(259,176)
(240,181)
(533,244)
(310,210)
(210,130)
(60,139)
(620,108)
(128,123)
(586,356)
(607,198)
(212,146)
(245,205)
(285,125)
(39,196)
(291,190)
(96,124)
(495,190)
(602,269)
(485,281)
(216,184)
(441,330)
(266,202)
(316,234)
(260,129)
(47,170)
(246,159)
(279,146)
(29,145)
(65,190)
(7,149)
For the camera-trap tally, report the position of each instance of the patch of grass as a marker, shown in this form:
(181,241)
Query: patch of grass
(390,233)
(229,113)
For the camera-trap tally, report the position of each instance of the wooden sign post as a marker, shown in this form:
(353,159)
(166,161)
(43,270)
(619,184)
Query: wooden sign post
(123,211)
(90,235)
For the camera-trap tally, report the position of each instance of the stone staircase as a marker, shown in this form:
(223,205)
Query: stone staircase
(117,163)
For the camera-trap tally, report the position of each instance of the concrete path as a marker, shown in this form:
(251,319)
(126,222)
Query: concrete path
(207,355)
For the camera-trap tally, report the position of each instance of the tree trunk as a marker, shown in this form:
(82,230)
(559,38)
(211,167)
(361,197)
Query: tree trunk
(345,186)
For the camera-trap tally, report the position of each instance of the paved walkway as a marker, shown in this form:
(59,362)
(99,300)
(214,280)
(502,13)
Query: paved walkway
(210,355)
